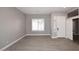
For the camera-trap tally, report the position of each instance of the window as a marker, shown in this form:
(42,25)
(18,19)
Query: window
(37,24)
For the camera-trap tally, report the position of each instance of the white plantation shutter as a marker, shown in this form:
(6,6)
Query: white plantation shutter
(37,24)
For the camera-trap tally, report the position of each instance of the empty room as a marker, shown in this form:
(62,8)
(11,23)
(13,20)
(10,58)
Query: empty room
(39,28)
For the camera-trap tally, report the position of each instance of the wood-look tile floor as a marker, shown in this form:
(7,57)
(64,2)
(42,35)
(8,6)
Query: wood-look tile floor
(44,43)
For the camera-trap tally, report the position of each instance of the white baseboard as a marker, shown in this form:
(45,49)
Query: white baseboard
(5,47)
(69,38)
(57,37)
(60,37)
(38,34)
(53,37)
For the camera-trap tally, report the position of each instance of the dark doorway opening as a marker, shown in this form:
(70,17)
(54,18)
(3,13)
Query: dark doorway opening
(76,30)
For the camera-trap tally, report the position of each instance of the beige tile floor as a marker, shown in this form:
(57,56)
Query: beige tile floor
(44,43)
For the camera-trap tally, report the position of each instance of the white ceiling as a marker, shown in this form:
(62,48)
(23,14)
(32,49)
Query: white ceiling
(43,10)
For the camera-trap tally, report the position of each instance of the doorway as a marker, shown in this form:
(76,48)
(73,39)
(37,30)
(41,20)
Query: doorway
(76,30)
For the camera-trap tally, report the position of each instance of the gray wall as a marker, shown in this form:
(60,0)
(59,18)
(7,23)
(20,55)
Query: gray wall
(29,23)
(12,25)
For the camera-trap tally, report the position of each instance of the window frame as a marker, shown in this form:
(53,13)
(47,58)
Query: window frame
(38,24)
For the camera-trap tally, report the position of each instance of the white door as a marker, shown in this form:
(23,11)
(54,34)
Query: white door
(60,27)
